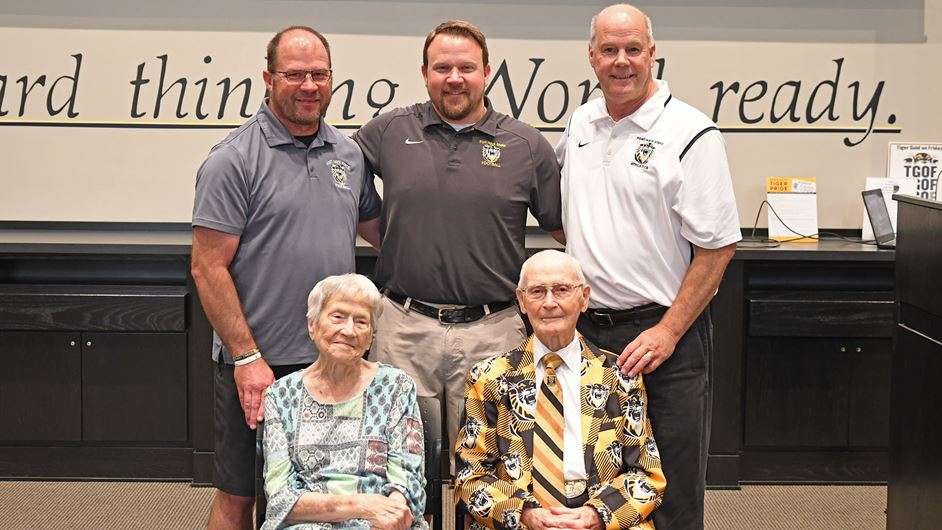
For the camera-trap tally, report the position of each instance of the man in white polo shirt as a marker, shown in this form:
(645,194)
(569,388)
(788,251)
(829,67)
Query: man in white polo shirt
(648,209)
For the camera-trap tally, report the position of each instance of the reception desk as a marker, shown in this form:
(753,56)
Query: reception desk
(914,493)
(109,371)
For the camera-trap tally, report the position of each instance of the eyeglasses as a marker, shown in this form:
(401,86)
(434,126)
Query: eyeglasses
(296,77)
(561,291)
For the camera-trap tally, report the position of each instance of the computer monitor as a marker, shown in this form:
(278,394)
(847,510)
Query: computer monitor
(879,218)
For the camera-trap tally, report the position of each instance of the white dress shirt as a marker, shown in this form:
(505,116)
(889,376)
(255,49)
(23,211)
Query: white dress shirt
(568,374)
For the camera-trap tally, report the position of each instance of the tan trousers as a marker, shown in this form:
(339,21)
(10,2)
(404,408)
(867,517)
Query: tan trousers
(439,356)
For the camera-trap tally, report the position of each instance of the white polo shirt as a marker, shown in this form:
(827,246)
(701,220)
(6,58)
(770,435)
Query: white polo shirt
(638,192)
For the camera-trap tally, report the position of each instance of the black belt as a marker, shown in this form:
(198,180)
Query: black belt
(447,315)
(607,318)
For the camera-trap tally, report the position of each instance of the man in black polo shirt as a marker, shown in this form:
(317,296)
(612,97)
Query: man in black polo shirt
(458,179)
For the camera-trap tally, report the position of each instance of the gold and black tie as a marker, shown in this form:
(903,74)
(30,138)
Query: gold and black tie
(548,485)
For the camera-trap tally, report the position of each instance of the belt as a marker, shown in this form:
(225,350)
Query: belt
(607,318)
(448,315)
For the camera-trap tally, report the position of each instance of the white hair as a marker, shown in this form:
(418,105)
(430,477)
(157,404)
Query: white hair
(647,21)
(350,286)
(551,256)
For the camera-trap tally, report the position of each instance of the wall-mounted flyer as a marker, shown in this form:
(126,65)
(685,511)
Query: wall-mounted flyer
(793,208)
(919,162)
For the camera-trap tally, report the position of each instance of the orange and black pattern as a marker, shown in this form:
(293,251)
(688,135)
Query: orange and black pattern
(548,485)
(495,444)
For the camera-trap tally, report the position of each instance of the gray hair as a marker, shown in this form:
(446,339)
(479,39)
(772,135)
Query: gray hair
(552,256)
(647,21)
(353,286)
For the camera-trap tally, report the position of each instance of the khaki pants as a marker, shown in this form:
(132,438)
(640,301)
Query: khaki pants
(439,356)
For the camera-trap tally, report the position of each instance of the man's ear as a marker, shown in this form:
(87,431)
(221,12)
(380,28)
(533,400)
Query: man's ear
(523,307)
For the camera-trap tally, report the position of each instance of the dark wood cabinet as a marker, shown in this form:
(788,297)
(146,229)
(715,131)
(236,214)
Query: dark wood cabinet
(134,387)
(40,386)
(801,383)
(99,370)
(914,492)
(817,393)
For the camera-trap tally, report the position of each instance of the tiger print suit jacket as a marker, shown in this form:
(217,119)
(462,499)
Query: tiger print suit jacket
(625,481)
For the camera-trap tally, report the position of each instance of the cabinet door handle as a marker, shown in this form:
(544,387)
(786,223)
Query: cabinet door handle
(88,343)
(71,343)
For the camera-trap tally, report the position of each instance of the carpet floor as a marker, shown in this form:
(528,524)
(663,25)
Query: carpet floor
(30,505)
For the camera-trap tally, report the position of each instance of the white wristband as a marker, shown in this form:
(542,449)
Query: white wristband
(255,356)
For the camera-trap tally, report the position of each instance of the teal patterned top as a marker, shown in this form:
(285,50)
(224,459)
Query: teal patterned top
(371,443)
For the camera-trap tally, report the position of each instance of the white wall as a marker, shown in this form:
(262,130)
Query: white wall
(113,173)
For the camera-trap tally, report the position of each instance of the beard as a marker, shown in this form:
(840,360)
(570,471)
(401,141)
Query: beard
(292,110)
(456,111)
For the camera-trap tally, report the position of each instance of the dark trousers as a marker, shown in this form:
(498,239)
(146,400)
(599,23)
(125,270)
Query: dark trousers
(679,405)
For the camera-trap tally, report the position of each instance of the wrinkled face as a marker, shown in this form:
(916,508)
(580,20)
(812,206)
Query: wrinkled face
(343,330)
(456,77)
(553,318)
(299,106)
(622,57)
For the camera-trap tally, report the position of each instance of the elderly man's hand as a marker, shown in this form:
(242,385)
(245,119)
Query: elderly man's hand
(648,351)
(537,518)
(582,518)
(386,513)
(252,380)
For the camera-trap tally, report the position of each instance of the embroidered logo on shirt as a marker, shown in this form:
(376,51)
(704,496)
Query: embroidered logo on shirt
(339,171)
(490,153)
(644,152)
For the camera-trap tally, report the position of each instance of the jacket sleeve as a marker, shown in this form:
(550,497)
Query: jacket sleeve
(491,501)
(637,487)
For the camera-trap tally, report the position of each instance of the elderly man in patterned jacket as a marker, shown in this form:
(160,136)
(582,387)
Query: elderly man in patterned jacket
(554,435)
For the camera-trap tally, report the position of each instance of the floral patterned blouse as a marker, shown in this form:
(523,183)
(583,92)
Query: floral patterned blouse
(371,443)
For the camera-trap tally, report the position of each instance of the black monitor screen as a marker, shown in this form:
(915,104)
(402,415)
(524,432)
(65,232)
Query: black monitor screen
(879,216)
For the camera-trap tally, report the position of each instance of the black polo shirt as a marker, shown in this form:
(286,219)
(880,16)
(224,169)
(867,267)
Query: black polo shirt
(455,202)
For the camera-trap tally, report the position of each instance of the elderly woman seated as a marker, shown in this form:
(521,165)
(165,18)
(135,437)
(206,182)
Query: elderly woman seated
(343,437)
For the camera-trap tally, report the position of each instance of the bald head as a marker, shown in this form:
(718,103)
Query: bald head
(620,14)
(551,259)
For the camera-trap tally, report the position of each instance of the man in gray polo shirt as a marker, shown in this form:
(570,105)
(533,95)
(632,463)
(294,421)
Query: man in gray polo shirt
(458,179)
(277,208)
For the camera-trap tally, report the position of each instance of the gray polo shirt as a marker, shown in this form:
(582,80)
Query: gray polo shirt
(455,203)
(296,210)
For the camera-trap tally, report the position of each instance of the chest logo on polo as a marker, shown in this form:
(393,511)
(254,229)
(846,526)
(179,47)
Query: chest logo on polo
(644,152)
(490,153)
(340,171)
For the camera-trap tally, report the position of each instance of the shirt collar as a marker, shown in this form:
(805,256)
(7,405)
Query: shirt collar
(277,134)
(487,124)
(571,354)
(647,113)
